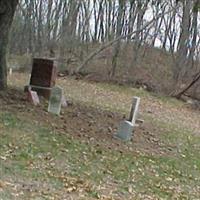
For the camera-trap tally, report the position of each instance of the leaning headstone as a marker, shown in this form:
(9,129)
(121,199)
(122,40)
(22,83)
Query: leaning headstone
(55,100)
(33,97)
(126,127)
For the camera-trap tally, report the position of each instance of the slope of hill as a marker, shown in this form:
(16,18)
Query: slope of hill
(75,156)
(150,68)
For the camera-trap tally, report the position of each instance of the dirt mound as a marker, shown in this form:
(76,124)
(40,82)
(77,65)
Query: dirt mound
(90,125)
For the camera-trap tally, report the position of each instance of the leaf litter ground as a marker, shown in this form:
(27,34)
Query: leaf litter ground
(74,156)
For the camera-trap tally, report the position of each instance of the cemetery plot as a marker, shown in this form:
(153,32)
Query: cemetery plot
(38,146)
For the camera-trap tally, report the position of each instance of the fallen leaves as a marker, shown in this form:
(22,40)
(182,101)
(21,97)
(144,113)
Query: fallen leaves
(2,185)
(122,175)
(3,158)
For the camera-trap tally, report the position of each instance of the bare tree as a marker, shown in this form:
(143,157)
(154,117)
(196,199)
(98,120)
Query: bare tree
(80,28)
(7,10)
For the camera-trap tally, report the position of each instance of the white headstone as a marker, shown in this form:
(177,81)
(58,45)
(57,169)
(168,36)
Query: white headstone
(55,100)
(126,127)
(10,71)
(63,101)
(33,97)
(134,110)
(125,131)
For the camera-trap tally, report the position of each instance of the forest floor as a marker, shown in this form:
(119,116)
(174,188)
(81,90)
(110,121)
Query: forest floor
(74,156)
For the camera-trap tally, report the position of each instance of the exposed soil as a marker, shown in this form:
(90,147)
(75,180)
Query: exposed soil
(90,123)
(93,126)
(163,109)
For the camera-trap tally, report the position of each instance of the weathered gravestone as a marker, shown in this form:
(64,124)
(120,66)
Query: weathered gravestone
(55,100)
(43,73)
(126,127)
(33,97)
(10,71)
(43,76)
(125,131)
(134,110)
(64,101)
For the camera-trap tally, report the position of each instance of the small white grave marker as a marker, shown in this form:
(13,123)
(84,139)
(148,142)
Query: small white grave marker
(63,101)
(134,110)
(10,71)
(33,97)
(55,100)
(126,127)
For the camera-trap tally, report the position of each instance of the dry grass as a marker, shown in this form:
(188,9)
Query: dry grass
(38,162)
(118,98)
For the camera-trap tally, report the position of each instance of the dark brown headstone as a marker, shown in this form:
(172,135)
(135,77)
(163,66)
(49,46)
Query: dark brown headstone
(43,73)
(43,76)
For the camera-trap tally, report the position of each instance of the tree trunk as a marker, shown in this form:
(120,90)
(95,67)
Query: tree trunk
(180,66)
(118,34)
(7,10)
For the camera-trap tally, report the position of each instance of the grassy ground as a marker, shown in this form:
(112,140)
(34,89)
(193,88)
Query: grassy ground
(39,161)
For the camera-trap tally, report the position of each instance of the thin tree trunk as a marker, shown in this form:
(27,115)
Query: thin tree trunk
(7,9)
(118,33)
(110,43)
(180,65)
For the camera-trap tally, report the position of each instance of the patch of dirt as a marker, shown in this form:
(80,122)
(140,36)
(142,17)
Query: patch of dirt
(88,124)
(175,114)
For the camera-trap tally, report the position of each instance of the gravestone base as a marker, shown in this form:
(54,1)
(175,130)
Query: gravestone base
(41,91)
(125,131)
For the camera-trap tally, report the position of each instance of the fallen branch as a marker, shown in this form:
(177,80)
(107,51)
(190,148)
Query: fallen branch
(95,53)
(195,80)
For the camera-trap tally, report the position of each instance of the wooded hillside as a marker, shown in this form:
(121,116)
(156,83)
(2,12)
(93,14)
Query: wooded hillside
(72,30)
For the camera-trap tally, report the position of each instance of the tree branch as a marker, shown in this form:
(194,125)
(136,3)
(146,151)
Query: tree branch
(95,53)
